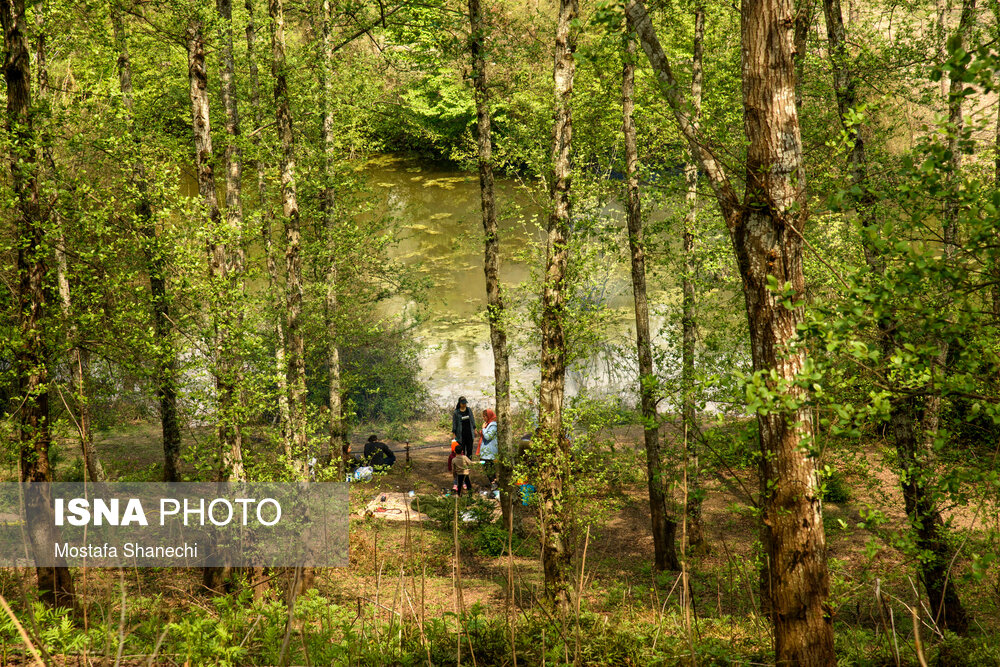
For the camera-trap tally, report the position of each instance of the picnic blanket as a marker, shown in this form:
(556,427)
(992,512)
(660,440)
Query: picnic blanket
(394,507)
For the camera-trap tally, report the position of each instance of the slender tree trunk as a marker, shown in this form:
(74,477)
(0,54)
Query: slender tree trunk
(688,304)
(337,439)
(766,234)
(293,261)
(235,260)
(664,523)
(266,215)
(554,470)
(79,363)
(156,266)
(996,182)
(491,261)
(921,506)
(943,7)
(946,606)
(296,441)
(78,360)
(55,584)
(231,460)
(938,579)
(804,11)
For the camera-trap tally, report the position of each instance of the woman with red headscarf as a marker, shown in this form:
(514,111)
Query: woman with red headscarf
(488,448)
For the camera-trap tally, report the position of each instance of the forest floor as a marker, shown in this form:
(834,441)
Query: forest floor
(401,569)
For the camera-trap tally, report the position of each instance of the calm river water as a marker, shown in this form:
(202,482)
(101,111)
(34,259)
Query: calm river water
(442,239)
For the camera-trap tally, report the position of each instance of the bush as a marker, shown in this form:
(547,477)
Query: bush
(491,540)
(736,444)
(380,376)
(471,505)
(834,487)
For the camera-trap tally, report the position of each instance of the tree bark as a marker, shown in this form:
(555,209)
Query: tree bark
(295,353)
(265,214)
(769,244)
(556,549)
(337,435)
(766,234)
(938,579)
(996,181)
(664,524)
(55,584)
(293,266)
(688,301)
(921,506)
(491,261)
(804,11)
(233,254)
(231,459)
(156,268)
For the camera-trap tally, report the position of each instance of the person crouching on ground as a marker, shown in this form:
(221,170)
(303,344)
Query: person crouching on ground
(488,447)
(460,466)
(378,454)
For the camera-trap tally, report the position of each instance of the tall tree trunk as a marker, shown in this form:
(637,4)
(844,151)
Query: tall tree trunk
(78,359)
(766,234)
(337,439)
(943,9)
(156,266)
(921,506)
(266,215)
(491,261)
(231,460)
(939,580)
(556,549)
(664,524)
(996,181)
(768,244)
(293,261)
(55,584)
(235,260)
(946,606)
(688,305)
(804,11)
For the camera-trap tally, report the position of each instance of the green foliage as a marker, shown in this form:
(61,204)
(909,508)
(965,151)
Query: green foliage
(379,372)
(202,640)
(491,540)
(473,509)
(834,487)
(733,444)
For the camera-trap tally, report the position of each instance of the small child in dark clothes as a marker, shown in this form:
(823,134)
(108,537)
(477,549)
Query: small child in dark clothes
(460,466)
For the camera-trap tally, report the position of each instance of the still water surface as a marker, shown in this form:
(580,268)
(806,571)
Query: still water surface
(442,238)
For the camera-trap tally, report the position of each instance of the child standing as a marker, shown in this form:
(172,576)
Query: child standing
(460,466)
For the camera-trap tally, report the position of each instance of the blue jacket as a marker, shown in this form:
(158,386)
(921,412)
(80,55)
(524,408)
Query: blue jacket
(489,449)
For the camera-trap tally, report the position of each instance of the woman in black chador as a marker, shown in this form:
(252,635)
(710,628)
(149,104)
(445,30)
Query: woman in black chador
(463,425)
